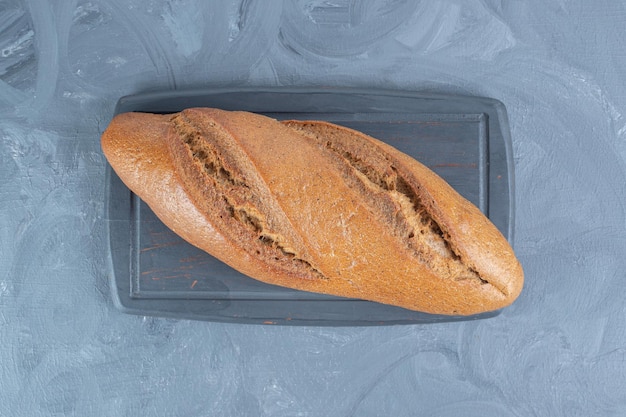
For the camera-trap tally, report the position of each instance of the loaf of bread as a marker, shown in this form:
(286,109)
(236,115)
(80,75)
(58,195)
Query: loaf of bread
(315,206)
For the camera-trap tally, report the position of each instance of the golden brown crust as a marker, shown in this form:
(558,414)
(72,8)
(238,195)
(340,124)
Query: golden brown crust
(316,207)
(473,237)
(135,145)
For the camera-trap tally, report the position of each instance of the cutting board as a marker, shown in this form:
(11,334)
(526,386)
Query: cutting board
(153,272)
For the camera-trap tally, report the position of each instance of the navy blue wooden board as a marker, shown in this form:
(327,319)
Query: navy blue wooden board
(154,272)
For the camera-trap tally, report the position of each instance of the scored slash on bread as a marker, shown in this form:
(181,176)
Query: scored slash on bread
(315,206)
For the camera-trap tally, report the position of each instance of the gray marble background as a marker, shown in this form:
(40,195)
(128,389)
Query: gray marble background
(559,67)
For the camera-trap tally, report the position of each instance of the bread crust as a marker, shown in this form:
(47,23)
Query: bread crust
(315,207)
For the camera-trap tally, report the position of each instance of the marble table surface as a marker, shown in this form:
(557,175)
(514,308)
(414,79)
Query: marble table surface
(559,68)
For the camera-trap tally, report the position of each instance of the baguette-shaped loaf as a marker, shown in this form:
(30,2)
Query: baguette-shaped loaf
(316,207)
